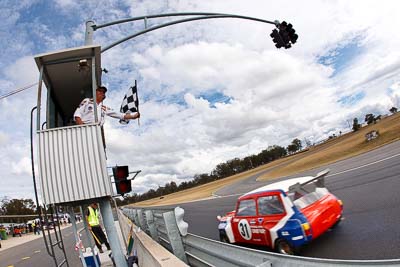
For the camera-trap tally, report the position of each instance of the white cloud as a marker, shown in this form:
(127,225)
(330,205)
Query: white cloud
(3,138)
(210,90)
(22,72)
(67,3)
(23,166)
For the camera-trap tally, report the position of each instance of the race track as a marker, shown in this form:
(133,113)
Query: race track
(368,185)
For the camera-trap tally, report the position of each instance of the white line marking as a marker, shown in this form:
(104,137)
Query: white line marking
(365,165)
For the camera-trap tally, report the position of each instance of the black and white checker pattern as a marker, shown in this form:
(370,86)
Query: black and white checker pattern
(130,103)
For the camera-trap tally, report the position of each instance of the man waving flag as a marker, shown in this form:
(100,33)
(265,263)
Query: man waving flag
(130,103)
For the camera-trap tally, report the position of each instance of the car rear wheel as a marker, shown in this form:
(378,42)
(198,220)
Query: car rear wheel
(336,223)
(283,247)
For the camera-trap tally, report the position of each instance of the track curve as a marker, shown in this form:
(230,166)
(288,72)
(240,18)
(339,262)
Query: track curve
(368,184)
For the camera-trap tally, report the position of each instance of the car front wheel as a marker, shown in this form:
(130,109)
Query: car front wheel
(283,247)
(224,238)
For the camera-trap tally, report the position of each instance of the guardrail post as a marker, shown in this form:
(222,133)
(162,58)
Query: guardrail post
(131,216)
(182,225)
(136,217)
(141,220)
(174,236)
(151,224)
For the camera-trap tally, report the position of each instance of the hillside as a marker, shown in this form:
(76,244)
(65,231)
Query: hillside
(346,146)
(342,147)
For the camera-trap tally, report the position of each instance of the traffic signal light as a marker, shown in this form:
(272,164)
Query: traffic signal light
(277,39)
(292,33)
(122,183)
(285,37)
(284,34)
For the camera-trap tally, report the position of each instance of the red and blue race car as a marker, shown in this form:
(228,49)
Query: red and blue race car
(283,216)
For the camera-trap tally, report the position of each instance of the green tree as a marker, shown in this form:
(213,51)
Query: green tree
(223,170)
(17,206)
(393,110)
(356,125)
(296,143)
(291,148)
(370,118)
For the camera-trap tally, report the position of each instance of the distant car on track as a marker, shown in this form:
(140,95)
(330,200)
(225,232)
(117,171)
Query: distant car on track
(284,215)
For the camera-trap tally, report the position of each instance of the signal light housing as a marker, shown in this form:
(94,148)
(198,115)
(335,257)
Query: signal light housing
(277,39)
(285,37)
(123,185)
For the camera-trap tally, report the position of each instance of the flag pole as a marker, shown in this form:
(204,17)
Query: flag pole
(138,120)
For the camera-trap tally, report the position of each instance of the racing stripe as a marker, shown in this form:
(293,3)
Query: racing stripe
(228,230)
(289,209)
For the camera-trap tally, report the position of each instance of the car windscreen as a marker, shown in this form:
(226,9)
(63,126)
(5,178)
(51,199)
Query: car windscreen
(246,207)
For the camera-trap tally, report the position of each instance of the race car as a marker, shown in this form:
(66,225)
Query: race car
(284,215)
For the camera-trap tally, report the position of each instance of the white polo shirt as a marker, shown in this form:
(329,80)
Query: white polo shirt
(85,111)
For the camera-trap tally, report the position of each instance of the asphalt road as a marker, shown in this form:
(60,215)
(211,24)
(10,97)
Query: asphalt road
(34,253)
(368,185)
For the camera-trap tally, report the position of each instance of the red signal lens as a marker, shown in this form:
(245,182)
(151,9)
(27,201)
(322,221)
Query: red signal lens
(123,185)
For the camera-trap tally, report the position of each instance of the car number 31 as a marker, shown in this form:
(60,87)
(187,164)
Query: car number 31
(244,229)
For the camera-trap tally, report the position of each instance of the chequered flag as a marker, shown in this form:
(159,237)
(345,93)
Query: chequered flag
(130,103)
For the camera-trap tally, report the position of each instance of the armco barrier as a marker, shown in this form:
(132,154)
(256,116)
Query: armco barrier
(149,252)
(167,227)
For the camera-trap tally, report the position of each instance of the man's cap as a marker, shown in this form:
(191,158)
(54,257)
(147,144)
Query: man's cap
(102,88)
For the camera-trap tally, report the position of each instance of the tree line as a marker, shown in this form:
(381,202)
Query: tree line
(370,118)
(17,206)
(222,170)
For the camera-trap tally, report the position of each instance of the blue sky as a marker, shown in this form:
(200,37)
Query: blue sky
(211,90)
(342,56)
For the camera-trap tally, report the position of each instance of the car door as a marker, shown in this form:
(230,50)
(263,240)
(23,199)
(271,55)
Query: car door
(271,211)
(245,225)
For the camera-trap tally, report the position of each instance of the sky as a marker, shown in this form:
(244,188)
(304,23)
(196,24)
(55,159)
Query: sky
(209,90)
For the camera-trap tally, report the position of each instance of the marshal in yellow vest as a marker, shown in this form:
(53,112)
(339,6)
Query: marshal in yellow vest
(93,217)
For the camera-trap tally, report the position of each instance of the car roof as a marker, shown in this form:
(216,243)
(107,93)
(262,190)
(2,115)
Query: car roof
(281,185)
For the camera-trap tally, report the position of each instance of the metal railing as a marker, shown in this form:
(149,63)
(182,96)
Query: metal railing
(166,226)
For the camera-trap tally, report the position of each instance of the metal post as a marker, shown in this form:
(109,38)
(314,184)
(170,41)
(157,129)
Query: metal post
(89,32)
(136,217)
(88,235)
(120,224)
(130,215)
(108,221)
(151,224)
(174,235)
(141,220)
(75,230)
(39,100)
(94,87)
